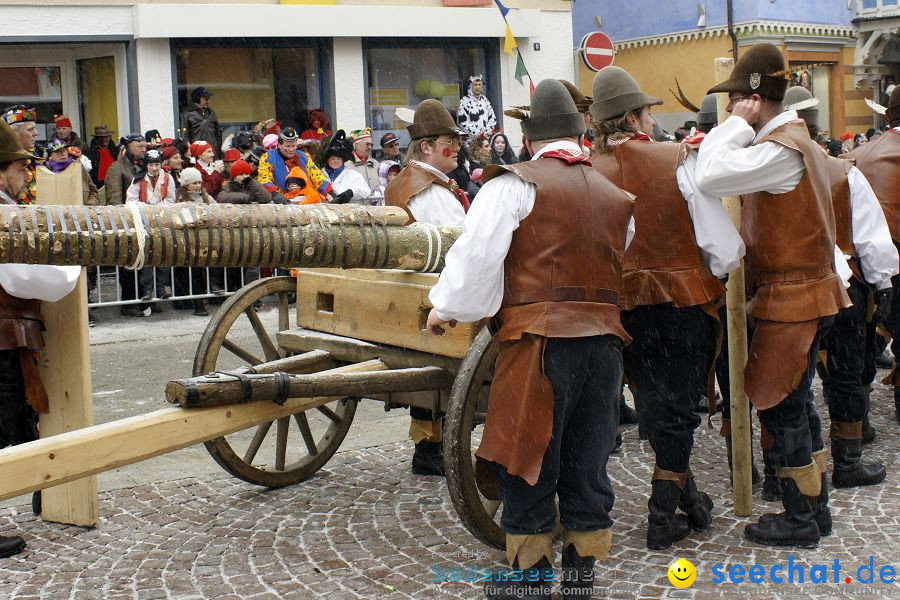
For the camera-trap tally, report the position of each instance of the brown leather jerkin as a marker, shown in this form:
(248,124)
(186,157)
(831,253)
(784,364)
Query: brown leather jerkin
(879,161)
(843,215)
(562,279)
(790,242)
(412,180)
(20,329)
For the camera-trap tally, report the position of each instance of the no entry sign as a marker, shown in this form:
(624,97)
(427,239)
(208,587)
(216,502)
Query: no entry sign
(596,50)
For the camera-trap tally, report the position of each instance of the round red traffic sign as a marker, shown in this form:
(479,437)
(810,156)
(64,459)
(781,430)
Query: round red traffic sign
(597,50)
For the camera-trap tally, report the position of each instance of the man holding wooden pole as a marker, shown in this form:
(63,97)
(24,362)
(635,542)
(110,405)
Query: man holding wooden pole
(764,154)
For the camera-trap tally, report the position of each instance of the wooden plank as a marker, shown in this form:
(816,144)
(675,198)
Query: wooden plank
(383,275)
(66,457)
(383,311)
(66,369)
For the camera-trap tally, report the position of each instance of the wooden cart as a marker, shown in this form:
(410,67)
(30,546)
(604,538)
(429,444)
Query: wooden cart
(352,321)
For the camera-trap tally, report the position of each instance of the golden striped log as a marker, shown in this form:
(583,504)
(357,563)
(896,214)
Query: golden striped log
(222,235)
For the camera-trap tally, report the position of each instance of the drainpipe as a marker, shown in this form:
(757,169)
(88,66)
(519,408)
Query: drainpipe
(731,33)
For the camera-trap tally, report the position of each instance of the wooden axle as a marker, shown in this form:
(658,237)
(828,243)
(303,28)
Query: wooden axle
(216,389)
(69,456)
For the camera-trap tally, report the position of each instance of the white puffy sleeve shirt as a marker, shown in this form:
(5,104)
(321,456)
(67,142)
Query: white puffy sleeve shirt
(436,204)
(871,236)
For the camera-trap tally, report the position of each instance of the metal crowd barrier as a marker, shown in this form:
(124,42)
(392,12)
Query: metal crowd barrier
(117,286)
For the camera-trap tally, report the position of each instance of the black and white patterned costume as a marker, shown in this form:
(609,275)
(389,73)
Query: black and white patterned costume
(475,114)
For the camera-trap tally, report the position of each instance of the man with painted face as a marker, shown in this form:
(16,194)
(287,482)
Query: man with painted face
(475,114)
(684,242)
(427,195)
(764,154)
(551,279)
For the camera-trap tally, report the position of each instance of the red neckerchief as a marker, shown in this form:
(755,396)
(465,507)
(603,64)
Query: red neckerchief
(695,139)
(568,156)
(460,195)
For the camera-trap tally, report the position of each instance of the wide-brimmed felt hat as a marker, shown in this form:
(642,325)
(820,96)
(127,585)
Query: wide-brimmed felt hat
(617,93)
(801,99)
(709,111)
(552,113)
(102,131)
(10,147)
(582,102)
(893,109)
(760,70)
(432,119)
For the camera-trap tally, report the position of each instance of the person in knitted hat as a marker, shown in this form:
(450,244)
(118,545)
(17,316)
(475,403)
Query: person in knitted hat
(763,153)
(65,132)
(205,161)
(670,291)
(877,160)
(242,187)
(556,282)
(863,235)
(275,165)
(59,159)
(22,288)
(361,160)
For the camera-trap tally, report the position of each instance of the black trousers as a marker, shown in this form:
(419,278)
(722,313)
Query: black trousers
(18,421)
(667,363)
(847,356)
(893,321)
(586,374)
(794,423)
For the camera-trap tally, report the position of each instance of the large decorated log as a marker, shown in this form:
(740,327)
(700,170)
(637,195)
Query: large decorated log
(222,235)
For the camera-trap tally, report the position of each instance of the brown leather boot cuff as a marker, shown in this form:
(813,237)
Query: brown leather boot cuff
(844,430)
(820,457)
(595,544)
(528,549)
(419,430)
(808,478)
(725,430)
(678,478)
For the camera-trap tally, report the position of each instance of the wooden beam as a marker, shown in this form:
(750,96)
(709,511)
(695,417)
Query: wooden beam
(69,456)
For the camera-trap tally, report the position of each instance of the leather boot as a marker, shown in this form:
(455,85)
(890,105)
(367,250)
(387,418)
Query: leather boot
(664,527)
(796,526)
(771,491)
(823,513)
(725,432)
(627,415)
(868,433)
(695,504)
(10,545)
(846,448)
(577,574)
(428,459)
(534,585)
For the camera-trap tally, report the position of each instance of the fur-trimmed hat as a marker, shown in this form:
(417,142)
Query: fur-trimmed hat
(760,70)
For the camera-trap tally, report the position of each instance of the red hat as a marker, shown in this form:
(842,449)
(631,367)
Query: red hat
(168,152)
(846,136)
(275,128)
(232,155)
(62,121)
(240,167)
(198,148)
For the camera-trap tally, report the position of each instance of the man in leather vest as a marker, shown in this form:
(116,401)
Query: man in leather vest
(22,287)
(764,154)
(425,192)
(552,279)
(879,161)
(669,290)
(863,236)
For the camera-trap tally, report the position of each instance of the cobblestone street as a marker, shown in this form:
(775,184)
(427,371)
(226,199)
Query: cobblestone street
(365,528)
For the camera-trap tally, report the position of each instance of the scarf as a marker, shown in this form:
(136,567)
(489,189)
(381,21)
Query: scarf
(333,173)
(208,168)
(59,167)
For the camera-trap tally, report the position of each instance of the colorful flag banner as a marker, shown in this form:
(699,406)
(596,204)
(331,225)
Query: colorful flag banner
(503,9)
(509,42)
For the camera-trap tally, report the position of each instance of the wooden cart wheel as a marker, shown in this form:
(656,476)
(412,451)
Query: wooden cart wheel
(267,455)
(466,411)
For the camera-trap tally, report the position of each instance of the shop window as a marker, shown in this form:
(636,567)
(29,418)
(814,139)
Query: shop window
(252,82)
(97,94)
(407,72)
(39,87)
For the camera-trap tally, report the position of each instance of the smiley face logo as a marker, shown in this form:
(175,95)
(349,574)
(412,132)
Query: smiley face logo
(682,573)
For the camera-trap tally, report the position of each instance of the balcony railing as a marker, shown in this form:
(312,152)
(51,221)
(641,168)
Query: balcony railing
(877,8)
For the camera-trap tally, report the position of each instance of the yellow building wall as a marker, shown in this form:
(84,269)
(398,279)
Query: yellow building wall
(98,93)
(655,69)
(858,118)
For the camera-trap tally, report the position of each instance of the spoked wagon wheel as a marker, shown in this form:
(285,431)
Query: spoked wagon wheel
(267,455)
(465,419)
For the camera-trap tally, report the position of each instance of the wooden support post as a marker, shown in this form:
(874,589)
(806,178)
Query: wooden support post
(74,455)
(737,346)
(66,369)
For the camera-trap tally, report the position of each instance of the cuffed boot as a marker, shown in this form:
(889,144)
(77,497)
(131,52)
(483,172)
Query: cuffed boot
(725,432)
(664,527)
(581,549)
(846,448)
(10,545)
(537,577)
(428,459)
(796,526)
(868,432)
(823,513)
(771,490)
(695,504)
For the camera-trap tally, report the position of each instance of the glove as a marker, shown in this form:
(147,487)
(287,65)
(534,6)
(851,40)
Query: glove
(342,198)
(882,305)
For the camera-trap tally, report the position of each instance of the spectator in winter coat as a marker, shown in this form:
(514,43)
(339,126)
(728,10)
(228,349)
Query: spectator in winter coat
(387,170)
(122,172)
(501,152)
(336,153)
(362,161)
(275,165)
(228,158)
(318,125)
(172,162)
(299,189)
(390,148)
(153,185)
(242,188)
(59,159)
(65,132)
(204,161)
(192,281)
(201,121)
(102,152)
